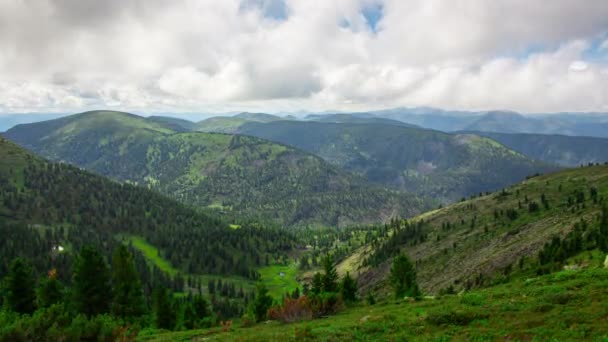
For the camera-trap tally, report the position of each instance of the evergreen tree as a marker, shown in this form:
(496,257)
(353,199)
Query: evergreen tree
(49,291)
(261,303)
(19,287)
(317,283)
(164,313)
(201,307)
(296,293)
(330,276)
(91,284)
(348,288)
(128,301)
(603,230)
(403,277)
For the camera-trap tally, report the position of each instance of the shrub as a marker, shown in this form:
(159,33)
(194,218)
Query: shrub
(454,317)
(56,324)
(473,299)
(326,303)
(292,310)
(303,333)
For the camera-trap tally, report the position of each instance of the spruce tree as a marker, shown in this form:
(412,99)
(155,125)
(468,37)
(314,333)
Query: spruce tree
(50,290)
(330,276)
(603,230)
(164,314)
(128,297)
(19,287)
(261,303)
(403,277)
(348,288)
(317,284)
(92,293)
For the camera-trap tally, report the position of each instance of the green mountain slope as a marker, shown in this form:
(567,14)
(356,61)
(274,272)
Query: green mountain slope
(565,306)
(231,124)
(175,123)
(427,162)
(475,242)
(562,150)
(44,204)
(243,176)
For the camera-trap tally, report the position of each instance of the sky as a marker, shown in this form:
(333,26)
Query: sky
(303,55)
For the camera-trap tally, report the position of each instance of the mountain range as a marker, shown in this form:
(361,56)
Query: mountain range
(443,166)
(237,175)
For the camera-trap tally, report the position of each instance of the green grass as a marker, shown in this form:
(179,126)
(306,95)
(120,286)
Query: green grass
(565,306)
(279,285)
(270,275)
(152,254)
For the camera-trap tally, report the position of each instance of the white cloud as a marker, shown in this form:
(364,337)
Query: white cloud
(578,66)
(153,55)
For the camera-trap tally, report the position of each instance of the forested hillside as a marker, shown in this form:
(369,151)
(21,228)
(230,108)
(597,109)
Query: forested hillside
(243,177)
(532,227)
(433,163)
(45,205)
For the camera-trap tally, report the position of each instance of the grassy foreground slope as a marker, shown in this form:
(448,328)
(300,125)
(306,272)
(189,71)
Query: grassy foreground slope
(242,176)
(564,306)
(474,242)
(444,166)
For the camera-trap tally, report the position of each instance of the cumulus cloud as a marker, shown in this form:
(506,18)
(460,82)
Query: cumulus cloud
(281,55)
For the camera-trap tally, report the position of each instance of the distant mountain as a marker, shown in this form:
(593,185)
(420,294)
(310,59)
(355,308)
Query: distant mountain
(562,150)
(355,118)
(433,118)
(175,123)
(572,124)
(230,124)
(511,122)
(9,120)
(441,165)
(242,176)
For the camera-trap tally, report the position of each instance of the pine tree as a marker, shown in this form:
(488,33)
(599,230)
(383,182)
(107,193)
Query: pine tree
(330,276)
(164,314)
(348,288)
(91,284)
(603,230)
(49,291)
(403,277)
(128,297)
(261,303)
(19,287)
(317,283)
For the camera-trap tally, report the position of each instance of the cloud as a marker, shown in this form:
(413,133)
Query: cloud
(277,55)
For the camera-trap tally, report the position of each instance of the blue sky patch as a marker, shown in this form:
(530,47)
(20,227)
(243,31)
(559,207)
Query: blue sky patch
(373,13)
(271,9)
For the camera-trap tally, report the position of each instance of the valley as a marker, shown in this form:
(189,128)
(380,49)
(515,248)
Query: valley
(278,204)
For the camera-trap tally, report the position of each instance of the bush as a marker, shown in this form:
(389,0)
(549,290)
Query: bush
(473,299)
(303,333)
(454,317)
(292,310)
(55,324)
(325,303)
